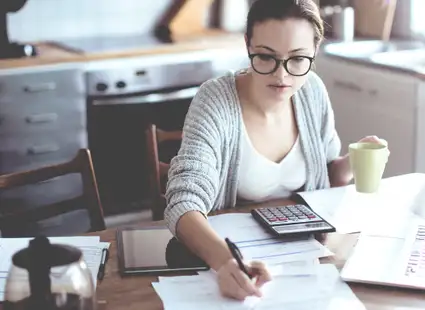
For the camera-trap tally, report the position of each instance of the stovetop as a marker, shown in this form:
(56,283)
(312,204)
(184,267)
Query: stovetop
(115,43)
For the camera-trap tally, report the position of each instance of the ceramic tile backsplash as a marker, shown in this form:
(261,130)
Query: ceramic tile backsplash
(56,19)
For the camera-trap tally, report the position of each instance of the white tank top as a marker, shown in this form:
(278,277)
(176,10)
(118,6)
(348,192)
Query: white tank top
(262,179)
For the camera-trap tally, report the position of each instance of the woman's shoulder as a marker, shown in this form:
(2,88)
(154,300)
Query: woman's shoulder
(315,93)
(219,88)
(218,95)
(314,85)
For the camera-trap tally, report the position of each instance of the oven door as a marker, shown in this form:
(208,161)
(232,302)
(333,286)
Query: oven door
(116,126)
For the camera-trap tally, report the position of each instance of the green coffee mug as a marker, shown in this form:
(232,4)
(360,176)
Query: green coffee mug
(368,161)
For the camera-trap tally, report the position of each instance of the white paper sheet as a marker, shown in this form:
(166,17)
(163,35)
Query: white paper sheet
(352,212)
(274,251)
(320,290)
(256,243)
(239,227)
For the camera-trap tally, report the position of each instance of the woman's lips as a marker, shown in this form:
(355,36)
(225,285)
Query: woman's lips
(279,88)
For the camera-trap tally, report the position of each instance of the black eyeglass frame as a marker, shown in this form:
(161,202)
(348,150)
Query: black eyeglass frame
(283,62)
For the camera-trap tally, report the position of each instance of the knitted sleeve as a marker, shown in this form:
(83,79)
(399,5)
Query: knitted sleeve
(329,134)
(193,177)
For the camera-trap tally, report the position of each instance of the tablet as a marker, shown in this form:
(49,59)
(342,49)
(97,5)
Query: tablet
(143,251)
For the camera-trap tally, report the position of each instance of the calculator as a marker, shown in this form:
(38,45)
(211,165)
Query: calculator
(291,220)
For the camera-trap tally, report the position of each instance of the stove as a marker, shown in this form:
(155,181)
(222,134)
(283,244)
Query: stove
(116,43)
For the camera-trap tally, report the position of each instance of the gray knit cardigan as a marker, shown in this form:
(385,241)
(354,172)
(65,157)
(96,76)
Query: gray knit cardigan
(204,174)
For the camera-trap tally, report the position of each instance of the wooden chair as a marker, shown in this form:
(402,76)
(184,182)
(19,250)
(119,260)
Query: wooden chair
(90,200)
(158,170)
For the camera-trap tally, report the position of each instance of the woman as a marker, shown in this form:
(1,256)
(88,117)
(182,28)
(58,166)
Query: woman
(256,135)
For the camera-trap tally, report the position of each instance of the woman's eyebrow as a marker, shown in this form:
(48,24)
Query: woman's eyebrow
(301,49)
(274,51)
(266,47)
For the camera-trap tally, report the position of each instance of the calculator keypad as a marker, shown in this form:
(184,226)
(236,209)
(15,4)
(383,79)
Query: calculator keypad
(288,215)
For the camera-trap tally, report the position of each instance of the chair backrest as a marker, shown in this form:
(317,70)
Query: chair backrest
(90,200)
(158,170)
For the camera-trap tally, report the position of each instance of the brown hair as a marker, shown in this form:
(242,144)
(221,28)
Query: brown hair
(262,10)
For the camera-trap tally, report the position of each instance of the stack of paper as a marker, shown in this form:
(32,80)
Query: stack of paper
(317,287)
(90,246)
(256,243)
(351,212)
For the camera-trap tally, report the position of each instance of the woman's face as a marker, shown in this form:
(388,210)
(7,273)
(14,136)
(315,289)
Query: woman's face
(275,39)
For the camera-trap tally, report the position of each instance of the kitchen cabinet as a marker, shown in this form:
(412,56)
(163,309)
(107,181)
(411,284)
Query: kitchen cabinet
(369,100)
(42,122)
(42,118)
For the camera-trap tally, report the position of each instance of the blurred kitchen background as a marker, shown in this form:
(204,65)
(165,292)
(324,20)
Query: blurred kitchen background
(93,73)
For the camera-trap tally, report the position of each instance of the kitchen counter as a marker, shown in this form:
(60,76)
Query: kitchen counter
(367,58)
(51,53)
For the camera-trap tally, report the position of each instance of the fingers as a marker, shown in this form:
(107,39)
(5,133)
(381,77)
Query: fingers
(234,283)
(246,284)
(374,139)
(233,289)
(260,272)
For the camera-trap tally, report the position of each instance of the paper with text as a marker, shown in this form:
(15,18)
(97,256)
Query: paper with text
(351,212)
(256,243)
(321,289)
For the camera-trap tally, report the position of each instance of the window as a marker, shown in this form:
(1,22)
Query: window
(418,20)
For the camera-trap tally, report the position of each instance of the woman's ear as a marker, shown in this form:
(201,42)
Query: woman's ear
(246,43)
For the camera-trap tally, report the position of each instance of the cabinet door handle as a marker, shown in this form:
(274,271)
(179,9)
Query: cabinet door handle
(38,88)
(41,118)
(348,86)
(41,149)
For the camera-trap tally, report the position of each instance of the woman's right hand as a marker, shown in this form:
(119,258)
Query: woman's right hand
(234,283)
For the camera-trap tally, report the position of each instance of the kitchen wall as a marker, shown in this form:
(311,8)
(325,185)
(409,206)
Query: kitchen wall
(402,18)
(53,19)
(57,19)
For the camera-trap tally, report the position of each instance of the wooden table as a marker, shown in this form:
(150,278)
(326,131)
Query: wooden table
(135,293)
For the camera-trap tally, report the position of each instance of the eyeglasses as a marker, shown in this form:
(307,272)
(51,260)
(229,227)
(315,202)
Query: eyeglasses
(268,64)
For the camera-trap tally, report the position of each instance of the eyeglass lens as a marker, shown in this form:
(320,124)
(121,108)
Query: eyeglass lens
(296,65)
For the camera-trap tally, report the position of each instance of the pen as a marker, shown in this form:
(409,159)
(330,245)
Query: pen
(237,255)
(103,260)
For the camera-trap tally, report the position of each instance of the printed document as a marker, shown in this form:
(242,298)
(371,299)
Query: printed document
(351,212)
(320,288)
(256,243)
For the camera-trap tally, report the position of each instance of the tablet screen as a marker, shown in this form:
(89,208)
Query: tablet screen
(144,251)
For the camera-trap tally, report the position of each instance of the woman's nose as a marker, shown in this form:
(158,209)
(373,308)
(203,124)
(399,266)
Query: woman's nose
(281,72)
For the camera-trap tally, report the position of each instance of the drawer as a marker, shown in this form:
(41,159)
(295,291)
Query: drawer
(18,107)
(34,195)
(371,83)
(31,122)
(23,152)
(42,85)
